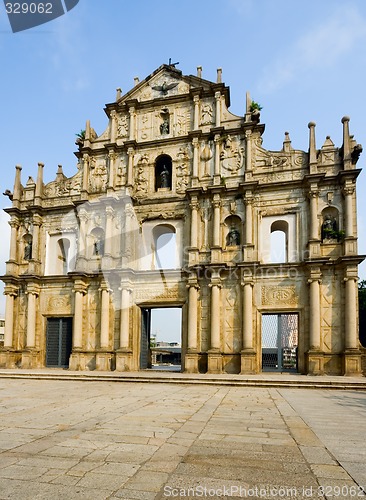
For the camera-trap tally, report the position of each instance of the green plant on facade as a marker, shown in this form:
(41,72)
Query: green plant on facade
(255,106)
(332,234)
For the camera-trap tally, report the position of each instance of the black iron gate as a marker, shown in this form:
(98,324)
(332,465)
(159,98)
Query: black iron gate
(58,342)
(145,353)
(279,342)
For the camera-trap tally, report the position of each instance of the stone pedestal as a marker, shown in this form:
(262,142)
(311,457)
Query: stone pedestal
(9,358)
(248,362)
(191,362)
(30,359)
(352,363)
(74,361)
(105,361)
(214,364)
(124,360)
(315,363)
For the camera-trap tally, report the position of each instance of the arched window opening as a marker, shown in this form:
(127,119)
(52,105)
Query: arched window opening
(163,172)
(63,251)
(279,242)
(165,255)
(98,241)
(233,230)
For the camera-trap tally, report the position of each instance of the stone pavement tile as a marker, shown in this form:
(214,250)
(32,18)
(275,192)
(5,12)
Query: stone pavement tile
(48,462)
(6,460)
(147,481)
(317,455)
(107,482)
(66,452)
(305,437)
(356,469)
(251,475)
(117,469)
(134,495)
(65,480)
(329,471)
(161,465)
(24,473)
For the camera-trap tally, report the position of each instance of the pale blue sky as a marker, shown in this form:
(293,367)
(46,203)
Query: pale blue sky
(302,60)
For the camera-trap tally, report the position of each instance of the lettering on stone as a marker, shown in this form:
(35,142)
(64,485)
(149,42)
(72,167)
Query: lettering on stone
(279,295)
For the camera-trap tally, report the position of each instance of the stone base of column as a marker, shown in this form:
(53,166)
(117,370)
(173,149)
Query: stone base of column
(352,363)
(9,358)
(215,255)
(214,362)
(248,362)
(315,363)
(314,249)
(191,362)
(124,361)
(30,359)
(217,180)
(248,253)
(81,264)
(74,361)
(105,361)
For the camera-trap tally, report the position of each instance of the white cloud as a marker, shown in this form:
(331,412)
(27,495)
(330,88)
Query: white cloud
(322,47)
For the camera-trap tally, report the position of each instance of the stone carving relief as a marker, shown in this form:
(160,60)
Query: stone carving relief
(232,155)
(279,295)
(181,121)
(64,187)
(98,175)
(158,292)
(164,86)
(141,181)
(122,127)
(58,304)
(182,170)
(206,114)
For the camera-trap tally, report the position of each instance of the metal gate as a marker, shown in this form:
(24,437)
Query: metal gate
(145,353)
(58,342)
(279,342)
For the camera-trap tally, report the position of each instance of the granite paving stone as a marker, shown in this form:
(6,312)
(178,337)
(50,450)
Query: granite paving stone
(70,439)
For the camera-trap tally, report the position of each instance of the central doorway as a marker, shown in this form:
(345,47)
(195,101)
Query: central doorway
(58,342)
(279,342)
(161,338)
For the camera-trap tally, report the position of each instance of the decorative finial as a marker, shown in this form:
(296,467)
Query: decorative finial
(172,64)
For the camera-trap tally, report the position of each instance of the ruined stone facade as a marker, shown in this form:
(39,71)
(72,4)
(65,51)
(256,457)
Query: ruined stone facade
(87,259)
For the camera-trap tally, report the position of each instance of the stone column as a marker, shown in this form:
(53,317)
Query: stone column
(218,109)
(315,355)
(194,222)
(216,220)
(248,353)
(313,161)
(314,314)
(11,292)
(196,100)
(214,354)
(131,153)
(80,289)
(352,353)
(195,157)
(112,158)
(351,330)
(217,154)
(104,316)
(37,222)
(86,159)
(124,336)
(14,224)
(191,357)
(108,231)
(39,185)
(348,198)
(33,293)
(132,122)
(314,225)
(113,125)
(83,218)
(215,343)
(124,355)
(247,315)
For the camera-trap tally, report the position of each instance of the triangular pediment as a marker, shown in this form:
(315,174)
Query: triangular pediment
(166,81)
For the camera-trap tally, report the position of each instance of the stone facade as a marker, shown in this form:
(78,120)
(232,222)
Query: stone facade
(87,261)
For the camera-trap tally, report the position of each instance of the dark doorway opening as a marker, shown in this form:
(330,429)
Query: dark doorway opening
(58,342)
(279,342)
(161,338)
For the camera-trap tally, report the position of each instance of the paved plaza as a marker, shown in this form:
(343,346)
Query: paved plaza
(64,439)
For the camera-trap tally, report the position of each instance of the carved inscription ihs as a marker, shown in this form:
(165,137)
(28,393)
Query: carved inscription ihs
(279,295)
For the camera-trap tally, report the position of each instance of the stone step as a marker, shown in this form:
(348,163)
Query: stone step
(266,380)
